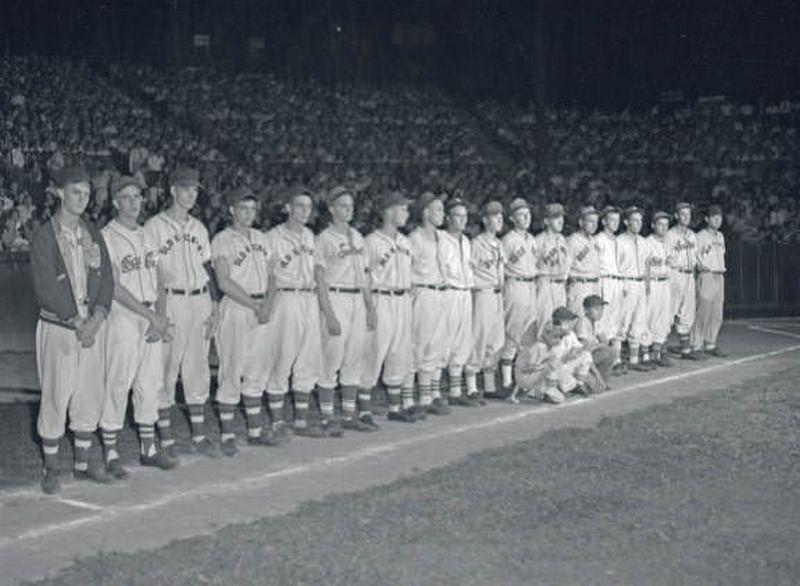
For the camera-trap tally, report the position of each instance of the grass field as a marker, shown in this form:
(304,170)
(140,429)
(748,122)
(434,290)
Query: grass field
(700,491)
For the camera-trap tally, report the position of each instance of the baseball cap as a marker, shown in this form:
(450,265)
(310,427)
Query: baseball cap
(588,211)
(660,216)
(295,191)
(71,174)
(123,181)
(237,194)
(454,202)
(630,210)
(683,205)
(610,210)
(562,314)
(518,204)
(492,208)
(553,210)
(714,210)
(185,177)
(391,199)
(338,192)
(426,199)
(593,301)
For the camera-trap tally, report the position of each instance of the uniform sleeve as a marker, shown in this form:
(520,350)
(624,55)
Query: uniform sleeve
(510,252)
(205,243)
(220,247)
(322,250)
(113,255)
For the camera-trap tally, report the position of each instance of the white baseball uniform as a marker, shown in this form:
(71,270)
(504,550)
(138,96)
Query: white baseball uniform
(388,346)
(429,324)
(456,255)
(682,250)
(552,265)
(242,343)
(132,362)
(710,288)
(584,270)
(632,255)
(296,343)
(342,256)
(488,331)
(610,285)
(519,298)
(659,318)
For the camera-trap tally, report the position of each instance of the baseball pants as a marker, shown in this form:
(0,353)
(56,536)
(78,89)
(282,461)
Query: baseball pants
(131,363)
(519,304)
(659,318)
(551,294)
(187,353)
(72,379)
(633,318)
(611,291)
(710,301)
(388,346)
(429,329)
(565,375)
(296,347)
(458,325)
(343,355)
(682,301)
(488,333)
(242,345)
(577,291)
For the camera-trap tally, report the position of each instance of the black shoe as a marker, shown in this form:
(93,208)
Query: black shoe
(282,431)
(229,447)
(716,352)
(638,367)
(619,369)
(171,452)
(115,469)
(664,361)
(50,482)
(96,474)
(267,438)
(403,416)
(419,412)
(206,447)
(161,460)
(355,424)
(582,389)
(333,428)
(367,419)
(438,407)
(689,356)
(466,401)
(310,430)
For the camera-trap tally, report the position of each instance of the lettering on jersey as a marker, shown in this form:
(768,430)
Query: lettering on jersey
(516,254)
(397,249)
(346,249)
(286,259)
(711,246)
(171,242)
(134,262)
(683,245)
(656,261)
(246,251)
(583,252)
(552,257)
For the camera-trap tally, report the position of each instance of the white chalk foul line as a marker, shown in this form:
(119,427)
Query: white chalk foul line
(261,480)
(774,331)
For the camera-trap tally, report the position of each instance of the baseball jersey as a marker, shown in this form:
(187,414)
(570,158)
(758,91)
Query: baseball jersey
(520,254)
(294,254)
(586,331)
(711,250)
(247,255)
(456,256)
(584,260)
(632,253)
(133,255)
(606,247)
(487,260)
(342,256)
(657,256)
(551,252)
(183,249)
(388,260)
(682,248)
(426,266)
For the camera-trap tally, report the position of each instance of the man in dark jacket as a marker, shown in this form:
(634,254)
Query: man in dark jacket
(74,286)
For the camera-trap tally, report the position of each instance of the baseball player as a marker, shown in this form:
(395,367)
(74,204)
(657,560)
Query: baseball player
(682,252)
(348,312)
(551,264)
(188,298)
(388,346)
(296,348)
(74,286)
(659,318)
(710,284)
(584,264)
(456,260)
(632,255)
(519,295)
(241,257)
(595,342)
(134,347)
(488,333)
(429,326)
(610,282)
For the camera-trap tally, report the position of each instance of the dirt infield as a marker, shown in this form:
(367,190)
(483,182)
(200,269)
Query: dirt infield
(39,533)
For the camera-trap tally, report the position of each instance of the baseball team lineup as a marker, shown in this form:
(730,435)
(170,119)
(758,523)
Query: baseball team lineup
(438,319)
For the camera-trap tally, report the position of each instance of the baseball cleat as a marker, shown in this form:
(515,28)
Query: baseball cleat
(206,447)
(582,389)
(619,369)
(467,401)
(160,460)
(664,361)
(553,396)
(638,367)
(716,352)
(50,482)
(229,447)
(115,469)
(689,356)
(438,407)
(96,474)
(267,438)
(355,424)
(403,416)
(333,428)
(310,430)
(171,452)
(282,431)
(367,419)
(418,412)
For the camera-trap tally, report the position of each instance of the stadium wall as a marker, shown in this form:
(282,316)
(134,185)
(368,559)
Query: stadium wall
(763,279)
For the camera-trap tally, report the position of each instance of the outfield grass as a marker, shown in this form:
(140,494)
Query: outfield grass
(702,491)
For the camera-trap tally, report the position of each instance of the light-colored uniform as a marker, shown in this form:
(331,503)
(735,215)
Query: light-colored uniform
(456,255)
(183,249)
(682,250)
(389,344)
(553,363)
(552,265)
(488,332)
(710,288)
(296,346)
(659,318)
(242,343)
(343,258)
(131,361)
(610,285)
(632,255)
(519,293)
(584,270)
(429,326)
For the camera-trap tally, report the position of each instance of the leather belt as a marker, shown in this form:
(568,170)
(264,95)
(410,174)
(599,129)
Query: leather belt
(432,287)
(522,279)
(713,272)
(390,292)
(583,280)
(494,290)
(258,296)
(685,271)
(553,279)
(148,303)
(459,288)
(632,278)
(344,289)
(296,289)
(188,292)
(660,279)
(612,277)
